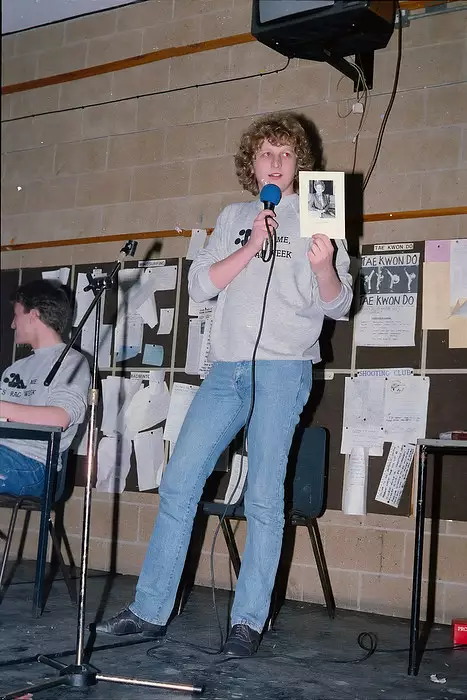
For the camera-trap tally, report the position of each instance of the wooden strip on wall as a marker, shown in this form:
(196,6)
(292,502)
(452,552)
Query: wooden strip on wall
(369,218)
(131,62)
(415,214)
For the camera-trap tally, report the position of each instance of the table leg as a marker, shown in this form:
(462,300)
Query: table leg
(417,563)
(50,473)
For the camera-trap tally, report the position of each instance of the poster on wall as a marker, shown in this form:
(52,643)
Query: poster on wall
(388,296)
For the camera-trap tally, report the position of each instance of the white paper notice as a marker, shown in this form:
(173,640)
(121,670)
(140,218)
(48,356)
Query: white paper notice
(389,300)
(80,441)
(148,407)
(206,318)
(395,474)
(129,337)
(105,340)
(363,414)
(113,464)
(166,321)
(150,458)
(405,408)
(458,272)
(238,474)
(83,299)
(196,307)
(60,275)
(355,482)
(198,236)
(193,346)
(117,393)
(180,401)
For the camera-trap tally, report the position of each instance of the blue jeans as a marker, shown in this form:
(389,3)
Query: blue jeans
(217,413)
(20,475)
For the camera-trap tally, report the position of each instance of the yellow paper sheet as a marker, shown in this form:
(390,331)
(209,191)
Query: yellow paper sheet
(435,301)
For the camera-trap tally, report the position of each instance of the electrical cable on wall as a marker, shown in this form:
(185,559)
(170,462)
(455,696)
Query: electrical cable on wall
(149,94)
(379,139)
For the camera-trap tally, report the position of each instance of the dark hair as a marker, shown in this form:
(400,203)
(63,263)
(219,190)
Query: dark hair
(285,128)
(51,301)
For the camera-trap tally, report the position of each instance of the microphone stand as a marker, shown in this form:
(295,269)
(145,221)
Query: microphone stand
(80,674)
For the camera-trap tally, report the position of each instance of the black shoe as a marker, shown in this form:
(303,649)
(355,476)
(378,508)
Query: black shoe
(242,641)
(126,622)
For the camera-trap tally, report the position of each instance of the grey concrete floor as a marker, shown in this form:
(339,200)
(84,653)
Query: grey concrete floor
(306,657)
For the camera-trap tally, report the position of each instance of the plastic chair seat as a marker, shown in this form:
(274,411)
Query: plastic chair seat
(308,503)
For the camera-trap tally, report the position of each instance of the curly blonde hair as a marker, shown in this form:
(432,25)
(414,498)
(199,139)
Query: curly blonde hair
(277,128)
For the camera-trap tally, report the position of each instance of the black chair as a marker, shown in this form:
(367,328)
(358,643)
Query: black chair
(38,504)
(305,483)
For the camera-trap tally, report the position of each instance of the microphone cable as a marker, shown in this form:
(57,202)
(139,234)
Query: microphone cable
(268,251)
(268,255)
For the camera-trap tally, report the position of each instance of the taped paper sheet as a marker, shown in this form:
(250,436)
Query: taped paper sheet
(436,301)
(238,474)
(198,237)
(148,407)
(196,307)
(117,393)
(405,408)
(61,275)
(113,464)
(193,346)
(457,331)
(82,302)
(355,482)
(128,337)
(166,320)
(458,276)
(150,458)
(389,300)
(363,414)
(206,318)
(180,401)
(395,474)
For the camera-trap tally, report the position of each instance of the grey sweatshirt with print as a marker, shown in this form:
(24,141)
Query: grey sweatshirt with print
(294,310)
(23,382)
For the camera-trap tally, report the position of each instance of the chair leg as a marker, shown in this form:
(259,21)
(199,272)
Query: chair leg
(231,544)
(323,572)
(63,567)
(9,538)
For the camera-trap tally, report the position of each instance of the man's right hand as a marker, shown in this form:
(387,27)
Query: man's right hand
(259,232)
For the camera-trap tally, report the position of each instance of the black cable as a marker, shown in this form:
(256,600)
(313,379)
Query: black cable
(368,641)
(269,257)
(147,94)
(379,139)
(269,249)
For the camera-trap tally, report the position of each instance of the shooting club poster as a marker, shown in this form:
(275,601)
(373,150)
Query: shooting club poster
(389,286)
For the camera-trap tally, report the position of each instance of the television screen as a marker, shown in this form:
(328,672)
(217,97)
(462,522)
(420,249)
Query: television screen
(270,10)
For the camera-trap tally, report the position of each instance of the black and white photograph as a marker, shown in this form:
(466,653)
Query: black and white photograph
(321,200)
(322,208)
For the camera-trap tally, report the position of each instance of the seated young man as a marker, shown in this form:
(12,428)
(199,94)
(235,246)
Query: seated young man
(42,312)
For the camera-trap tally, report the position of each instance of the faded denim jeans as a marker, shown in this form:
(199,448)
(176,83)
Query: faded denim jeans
(217,413)
(20,475)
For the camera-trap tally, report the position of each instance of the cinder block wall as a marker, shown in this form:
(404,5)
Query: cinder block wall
(156,162)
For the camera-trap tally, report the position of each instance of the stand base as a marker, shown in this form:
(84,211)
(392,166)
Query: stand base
(84,675)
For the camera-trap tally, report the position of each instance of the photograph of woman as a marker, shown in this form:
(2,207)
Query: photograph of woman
(321,200)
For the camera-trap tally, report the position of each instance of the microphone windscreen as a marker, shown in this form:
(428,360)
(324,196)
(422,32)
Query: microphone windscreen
(270,193)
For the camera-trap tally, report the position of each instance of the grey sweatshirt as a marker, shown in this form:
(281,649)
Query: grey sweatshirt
(23,382)
(294,310)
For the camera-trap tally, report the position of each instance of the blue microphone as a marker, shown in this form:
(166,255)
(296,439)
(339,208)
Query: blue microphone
(270,195)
